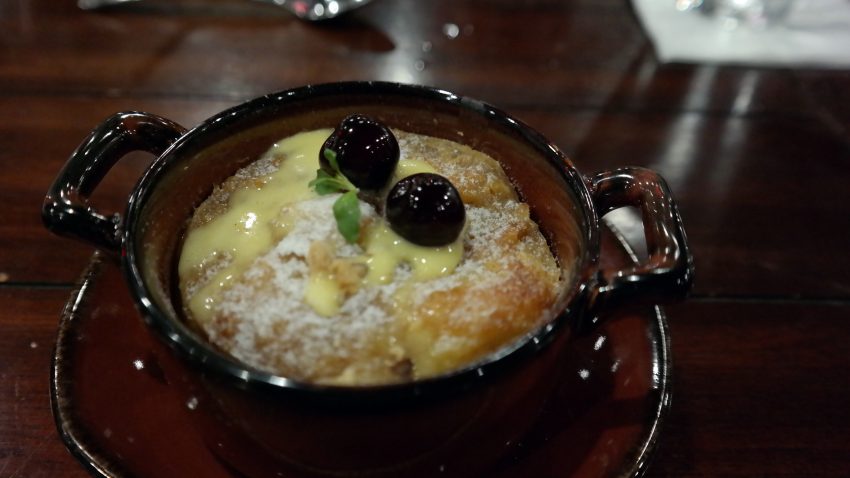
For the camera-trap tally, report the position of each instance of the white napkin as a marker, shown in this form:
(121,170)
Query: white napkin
(815,33)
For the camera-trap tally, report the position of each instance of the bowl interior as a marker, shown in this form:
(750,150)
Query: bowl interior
(185,175)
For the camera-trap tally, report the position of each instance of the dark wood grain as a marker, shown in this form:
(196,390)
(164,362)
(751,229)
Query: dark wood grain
(755,193)
(757,157)
(760,390)
(38,136)
(29,444)
(575,54)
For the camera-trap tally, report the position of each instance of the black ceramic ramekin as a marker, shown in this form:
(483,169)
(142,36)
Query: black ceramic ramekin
(409,429)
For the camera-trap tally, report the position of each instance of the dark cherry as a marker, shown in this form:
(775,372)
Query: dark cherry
(426,209)
(366,152)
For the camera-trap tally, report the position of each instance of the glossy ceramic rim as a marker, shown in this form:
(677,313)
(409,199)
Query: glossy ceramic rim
(662,365)
(197,350)
(98,465)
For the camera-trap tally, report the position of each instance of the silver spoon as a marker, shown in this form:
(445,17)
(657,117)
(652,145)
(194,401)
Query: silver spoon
(312,10)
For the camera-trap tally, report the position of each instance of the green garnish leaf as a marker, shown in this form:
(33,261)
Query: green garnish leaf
(347,214)
(326,184)
(330,155)
(321,174)
(346,208)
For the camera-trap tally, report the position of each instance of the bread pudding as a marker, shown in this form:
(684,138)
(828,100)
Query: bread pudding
(271,272)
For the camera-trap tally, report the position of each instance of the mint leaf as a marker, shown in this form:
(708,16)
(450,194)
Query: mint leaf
(346,208)
(347,214)
(326,184)
(330,155)
(321,174)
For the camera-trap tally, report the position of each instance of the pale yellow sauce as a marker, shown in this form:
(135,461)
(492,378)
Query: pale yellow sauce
(386,250)
(323,294)
(409,167)
(252,224)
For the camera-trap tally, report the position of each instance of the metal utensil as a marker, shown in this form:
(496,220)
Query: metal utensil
(311,10)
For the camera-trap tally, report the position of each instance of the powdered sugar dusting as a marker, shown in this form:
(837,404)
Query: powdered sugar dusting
(501,289)
(272,320)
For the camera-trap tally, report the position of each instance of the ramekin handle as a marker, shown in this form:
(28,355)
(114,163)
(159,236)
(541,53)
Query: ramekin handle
(66,210)
(667,274)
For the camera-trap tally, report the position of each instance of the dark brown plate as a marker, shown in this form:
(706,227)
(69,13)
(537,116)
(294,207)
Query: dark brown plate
(119,414)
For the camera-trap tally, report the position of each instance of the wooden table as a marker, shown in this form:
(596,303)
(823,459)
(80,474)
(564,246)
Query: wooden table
(759,160)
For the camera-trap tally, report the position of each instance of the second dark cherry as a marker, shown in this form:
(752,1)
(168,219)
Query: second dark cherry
(426,209)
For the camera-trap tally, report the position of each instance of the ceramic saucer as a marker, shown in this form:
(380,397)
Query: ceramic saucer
(118,413)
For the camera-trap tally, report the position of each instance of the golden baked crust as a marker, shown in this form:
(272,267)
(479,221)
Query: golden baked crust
(502,289)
